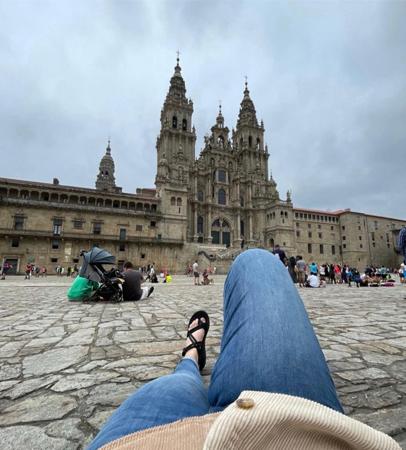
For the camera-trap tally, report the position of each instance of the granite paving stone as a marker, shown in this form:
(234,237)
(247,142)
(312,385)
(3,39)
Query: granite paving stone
(65,367)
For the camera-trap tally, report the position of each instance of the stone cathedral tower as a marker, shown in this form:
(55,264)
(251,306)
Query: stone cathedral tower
(105,179)
(175,154)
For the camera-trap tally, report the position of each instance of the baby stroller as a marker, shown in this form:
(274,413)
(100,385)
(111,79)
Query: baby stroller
(111,282)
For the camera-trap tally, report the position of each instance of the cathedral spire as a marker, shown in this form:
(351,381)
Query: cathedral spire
(105,179)
(247,114)
(220,118)
(177,88)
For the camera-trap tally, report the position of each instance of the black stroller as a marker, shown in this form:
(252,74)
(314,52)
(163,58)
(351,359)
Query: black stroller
(111,281)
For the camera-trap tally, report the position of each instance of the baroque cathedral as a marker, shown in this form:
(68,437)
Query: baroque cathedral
(227,188)
(209,208)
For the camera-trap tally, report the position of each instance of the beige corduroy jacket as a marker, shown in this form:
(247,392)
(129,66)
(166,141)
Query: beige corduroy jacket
(260,420)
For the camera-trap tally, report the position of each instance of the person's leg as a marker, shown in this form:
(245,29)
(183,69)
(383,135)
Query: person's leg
(268,342)
(164,400)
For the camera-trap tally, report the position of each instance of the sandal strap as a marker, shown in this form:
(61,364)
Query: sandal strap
(198,345)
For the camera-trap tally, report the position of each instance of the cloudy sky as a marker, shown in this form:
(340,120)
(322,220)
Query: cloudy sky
(328,79)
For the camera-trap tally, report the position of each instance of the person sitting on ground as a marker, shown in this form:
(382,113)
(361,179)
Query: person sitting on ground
(132,289)
(312,281)
(270,387)
(206,279)
(364,280)
(154,278)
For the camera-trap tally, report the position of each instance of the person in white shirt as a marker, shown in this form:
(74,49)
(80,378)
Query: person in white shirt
(195,268)
(313,281)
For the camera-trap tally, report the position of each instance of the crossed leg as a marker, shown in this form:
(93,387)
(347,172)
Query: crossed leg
(268,345)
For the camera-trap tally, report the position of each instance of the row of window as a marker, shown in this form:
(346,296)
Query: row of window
(77,200)
(57,225)
(56,245)
(272,215)
(309,226)
(322,247)
(309,216)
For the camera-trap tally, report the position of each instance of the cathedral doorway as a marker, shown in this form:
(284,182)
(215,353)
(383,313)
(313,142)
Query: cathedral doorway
(221,232)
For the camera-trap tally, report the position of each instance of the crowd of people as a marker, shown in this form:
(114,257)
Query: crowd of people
(319,275)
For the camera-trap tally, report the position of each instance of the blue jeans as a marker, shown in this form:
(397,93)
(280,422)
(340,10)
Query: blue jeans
(268,344)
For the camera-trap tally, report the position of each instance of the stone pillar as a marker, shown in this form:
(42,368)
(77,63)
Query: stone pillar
(237,237)
(250,237)
(208,225)
(195,236)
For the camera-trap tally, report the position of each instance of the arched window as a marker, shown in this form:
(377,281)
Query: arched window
(221,197)
(258,143)
(221,176)
(221,232)
(184,125)
(241,200)
(178,201)
(249,141)
(174,122)
(242,228)
(173,201)
(220,141)
(200,196)
(241,142)
(200,224)
(139,206)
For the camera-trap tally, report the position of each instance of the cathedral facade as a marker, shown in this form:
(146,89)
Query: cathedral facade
(208,208)
(228,191)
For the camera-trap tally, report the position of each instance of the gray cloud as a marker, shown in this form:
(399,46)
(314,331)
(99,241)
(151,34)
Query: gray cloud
(328,78)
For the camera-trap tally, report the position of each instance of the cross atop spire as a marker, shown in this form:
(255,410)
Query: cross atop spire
(219,107)
(246,82)
(177,57)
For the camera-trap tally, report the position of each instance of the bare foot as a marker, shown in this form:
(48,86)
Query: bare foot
(198,335)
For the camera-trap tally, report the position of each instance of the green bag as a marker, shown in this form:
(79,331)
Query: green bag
(81,289)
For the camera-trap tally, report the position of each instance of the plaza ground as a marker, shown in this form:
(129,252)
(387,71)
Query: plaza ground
(64,367)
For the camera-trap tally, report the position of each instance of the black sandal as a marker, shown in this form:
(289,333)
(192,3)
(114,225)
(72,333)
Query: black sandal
(199,346)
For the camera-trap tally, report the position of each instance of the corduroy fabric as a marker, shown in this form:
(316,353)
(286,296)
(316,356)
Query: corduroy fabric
(275,422)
